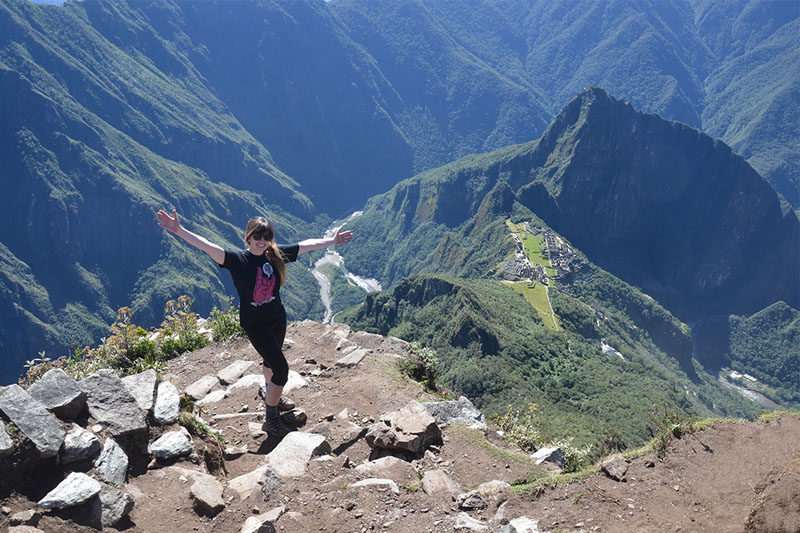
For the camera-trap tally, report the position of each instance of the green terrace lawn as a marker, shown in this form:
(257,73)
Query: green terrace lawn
(532,245)
(536,295)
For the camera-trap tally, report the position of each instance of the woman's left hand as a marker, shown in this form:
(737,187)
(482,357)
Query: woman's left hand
(342,237)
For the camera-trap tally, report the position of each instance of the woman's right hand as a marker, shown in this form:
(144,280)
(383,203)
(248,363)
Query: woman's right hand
(169,223)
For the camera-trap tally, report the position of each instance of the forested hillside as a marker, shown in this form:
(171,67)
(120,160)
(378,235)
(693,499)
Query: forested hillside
(302,110)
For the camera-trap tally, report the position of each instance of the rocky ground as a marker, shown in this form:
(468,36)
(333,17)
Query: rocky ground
(731,477)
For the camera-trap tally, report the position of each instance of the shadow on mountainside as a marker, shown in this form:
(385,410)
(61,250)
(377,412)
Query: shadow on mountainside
(730,477)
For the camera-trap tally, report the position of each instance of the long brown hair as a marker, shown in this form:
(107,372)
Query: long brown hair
(262,226)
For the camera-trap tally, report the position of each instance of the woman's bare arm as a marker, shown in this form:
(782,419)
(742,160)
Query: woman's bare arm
(173,225)
(340,237)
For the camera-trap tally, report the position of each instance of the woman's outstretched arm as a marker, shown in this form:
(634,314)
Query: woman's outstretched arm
(340,237)
(173,225)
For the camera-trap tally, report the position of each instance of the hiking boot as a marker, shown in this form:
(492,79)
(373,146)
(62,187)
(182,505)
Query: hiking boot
(285,404)
(275,427)
(295,417)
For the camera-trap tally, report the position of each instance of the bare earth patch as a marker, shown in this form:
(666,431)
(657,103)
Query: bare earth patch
(731,477)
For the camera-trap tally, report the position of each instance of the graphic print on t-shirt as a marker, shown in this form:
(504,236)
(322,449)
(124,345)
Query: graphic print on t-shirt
(265,285)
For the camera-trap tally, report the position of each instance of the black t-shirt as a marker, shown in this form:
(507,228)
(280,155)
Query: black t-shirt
(258,283)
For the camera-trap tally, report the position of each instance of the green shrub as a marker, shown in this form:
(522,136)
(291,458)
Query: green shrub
(420,365)
(225,324)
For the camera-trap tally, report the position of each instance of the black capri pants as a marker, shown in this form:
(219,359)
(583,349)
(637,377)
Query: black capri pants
(267,339)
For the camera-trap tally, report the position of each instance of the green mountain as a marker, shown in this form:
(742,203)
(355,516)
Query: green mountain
(647,210)
(656,203)
(302,110)
(493,347)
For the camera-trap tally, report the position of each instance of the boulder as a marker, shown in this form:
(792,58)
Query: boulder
(59,393)
(234,371)
(110,403)
(6,443)
(263,523)
(206,493)
(142,387)
(112,465)
(437,482)
(168,403)
(270,482)
(172,444)
(33,419)
(76,489)
(523,524)
(411,429)
(79,445)
(470,501)
(30,517)
(615,468)
(296,381)
(462,411)
(245,484)
(291,455)
(390,467)
(200,388)
(352,359)
(213,397)
(376,482)
(465,522)
(114,506)
(551,455)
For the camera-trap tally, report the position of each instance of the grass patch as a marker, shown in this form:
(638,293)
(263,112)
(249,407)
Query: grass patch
(477,439)
(537,486)
(536,295)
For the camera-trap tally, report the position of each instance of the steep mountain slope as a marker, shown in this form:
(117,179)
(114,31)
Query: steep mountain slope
(656,203)
(620,187)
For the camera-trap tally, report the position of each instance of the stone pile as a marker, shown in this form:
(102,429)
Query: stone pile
(92,431)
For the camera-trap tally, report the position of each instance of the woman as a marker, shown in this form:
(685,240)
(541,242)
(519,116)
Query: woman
(258,273)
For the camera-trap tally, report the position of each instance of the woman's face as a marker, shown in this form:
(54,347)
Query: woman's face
(257,245)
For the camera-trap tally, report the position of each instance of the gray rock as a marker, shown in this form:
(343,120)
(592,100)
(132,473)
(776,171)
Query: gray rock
(206,493)
(232,372)
(112,465)
(30,517)
(551,455)
(615,468)
(390,467)
(352,359)
(200,388)
(168,403)
(6,442)
(110,403)
(212,397)
(263,523)
(59,393)
(142,387)
(291,455)
(464,522)
(411,429)
(470,501)
(172,444)
(437,482)
(115,505)
(270,482)
(79,445)
(33,419)
(523,524)
(24,529)
(75,490)
(462,411)
(376,482)
(245,484)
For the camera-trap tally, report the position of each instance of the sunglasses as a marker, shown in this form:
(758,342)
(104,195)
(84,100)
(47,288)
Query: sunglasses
(258,236)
